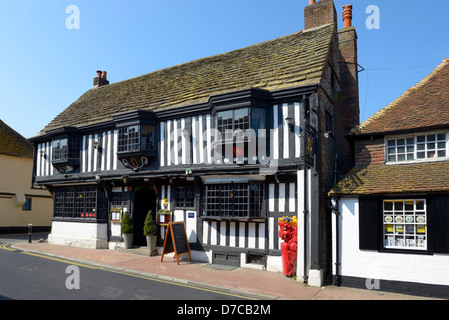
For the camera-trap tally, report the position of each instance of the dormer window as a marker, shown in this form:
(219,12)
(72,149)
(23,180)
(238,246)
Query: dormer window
(417,148)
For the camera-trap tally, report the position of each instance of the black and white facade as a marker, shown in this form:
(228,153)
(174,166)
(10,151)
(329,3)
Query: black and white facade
(229,192)
(229,157)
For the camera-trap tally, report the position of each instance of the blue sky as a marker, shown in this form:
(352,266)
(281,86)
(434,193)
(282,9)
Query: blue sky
(44,66)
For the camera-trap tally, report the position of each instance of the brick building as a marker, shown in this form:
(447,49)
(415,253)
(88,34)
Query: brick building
(392,208)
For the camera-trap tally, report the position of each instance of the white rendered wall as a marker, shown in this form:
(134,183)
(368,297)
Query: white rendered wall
(84,235)
(428,269)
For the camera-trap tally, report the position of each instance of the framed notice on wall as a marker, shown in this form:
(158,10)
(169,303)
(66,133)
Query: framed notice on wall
(116,215)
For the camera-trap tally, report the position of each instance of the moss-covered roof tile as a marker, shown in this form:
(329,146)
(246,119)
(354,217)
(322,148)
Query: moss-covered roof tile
(13,144)
(293,60)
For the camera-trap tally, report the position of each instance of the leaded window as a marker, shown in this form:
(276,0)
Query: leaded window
(136,138)
(87,203)
(233,200)
(185,196)
(66,149)
(239,130)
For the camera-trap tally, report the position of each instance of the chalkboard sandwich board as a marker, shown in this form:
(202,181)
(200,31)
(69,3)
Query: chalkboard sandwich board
(176,241)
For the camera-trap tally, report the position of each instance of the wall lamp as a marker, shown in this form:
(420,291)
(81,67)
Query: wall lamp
(291,123)
(327,134)
(125,179)
(96,145)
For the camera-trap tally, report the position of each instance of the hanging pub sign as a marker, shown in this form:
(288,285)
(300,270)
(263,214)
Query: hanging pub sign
(176,241)
(309,144)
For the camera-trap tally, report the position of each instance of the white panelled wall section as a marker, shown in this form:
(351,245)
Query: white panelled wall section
(190,140)
(43,161)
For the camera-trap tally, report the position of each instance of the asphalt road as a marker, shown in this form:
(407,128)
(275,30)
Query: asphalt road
(28,276)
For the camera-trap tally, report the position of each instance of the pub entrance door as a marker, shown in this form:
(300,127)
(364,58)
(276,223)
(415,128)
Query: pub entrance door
(144,200)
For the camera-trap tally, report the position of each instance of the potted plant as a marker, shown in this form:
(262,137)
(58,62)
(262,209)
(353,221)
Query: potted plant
(127,229)
(150,231)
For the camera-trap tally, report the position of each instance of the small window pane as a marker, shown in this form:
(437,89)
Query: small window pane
(405,229)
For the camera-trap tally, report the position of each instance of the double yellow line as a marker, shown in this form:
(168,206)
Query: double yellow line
(4,246)
(7,245)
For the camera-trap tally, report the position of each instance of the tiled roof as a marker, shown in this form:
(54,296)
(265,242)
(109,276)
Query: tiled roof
(424,105)
(13,144)
(293,60)
(406,178)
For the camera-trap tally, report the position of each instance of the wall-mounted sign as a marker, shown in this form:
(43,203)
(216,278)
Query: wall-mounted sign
(116,215)
(164,217)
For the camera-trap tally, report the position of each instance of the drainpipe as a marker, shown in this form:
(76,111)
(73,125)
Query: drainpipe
(306,214)
(305,187)
(336,212)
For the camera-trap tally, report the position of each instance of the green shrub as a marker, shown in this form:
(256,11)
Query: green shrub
(150,227)
(127,224)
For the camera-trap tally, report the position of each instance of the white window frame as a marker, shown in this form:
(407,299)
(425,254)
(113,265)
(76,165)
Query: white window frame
(403,227)
(415,144)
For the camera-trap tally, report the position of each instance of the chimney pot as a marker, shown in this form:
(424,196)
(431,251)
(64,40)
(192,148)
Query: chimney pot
(100,79)
(311,2)
(347,16)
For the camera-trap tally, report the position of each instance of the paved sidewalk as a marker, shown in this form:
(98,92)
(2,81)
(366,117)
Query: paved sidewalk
(264,284)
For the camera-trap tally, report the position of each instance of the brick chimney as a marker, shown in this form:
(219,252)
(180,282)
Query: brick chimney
(100,79)
(319,13)
(347,113)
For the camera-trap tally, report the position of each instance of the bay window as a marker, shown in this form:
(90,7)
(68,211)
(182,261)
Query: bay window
(66,150)
(136,138)
(240,130)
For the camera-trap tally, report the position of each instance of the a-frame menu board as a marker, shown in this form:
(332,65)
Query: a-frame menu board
(176,241)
